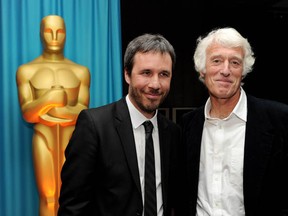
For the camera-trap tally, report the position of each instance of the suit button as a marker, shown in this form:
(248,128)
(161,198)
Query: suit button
(138,214)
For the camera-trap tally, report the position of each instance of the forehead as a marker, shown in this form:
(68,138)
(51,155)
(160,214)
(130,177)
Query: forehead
(53,22)
(218,49)
(152,55)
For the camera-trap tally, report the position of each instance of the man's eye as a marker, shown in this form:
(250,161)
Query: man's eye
(146,72)
(165,74)
(216,61)
(235,62)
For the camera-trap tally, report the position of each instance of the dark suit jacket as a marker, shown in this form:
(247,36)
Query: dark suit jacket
(100,175)
(265,157)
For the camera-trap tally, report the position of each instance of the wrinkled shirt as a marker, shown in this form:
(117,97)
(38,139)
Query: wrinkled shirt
(220,188)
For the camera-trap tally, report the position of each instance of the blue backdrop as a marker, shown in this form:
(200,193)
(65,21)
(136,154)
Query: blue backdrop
(93,39)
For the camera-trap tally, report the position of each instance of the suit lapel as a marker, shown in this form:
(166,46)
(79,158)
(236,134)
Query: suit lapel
(194,137)
(125,131)
(258,144)
(164,139)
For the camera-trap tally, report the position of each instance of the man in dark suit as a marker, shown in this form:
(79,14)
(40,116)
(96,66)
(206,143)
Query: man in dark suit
(236,146)
(103,173)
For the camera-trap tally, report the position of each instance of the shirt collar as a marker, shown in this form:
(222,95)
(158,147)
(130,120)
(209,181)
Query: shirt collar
(240,110)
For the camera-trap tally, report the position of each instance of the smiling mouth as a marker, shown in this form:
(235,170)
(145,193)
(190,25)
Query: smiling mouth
(224,82)
(153,96)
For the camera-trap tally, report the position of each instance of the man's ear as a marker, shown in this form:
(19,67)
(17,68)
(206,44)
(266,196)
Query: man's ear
(202,74)
(127,76)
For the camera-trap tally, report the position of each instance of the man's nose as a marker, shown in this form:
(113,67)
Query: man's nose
(154,82)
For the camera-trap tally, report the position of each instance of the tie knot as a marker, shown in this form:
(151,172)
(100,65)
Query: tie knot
(148,126)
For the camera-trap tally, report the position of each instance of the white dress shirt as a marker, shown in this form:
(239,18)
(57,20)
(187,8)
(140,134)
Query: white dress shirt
(137,118)
(220,188)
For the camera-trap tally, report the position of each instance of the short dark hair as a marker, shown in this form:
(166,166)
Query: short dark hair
(147,43)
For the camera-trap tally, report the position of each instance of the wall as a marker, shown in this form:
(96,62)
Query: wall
(263,22)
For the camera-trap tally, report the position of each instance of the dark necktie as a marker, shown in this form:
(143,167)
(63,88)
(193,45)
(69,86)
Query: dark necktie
(150,205)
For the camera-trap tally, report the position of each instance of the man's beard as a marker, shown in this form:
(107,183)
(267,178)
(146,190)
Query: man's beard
(147,108)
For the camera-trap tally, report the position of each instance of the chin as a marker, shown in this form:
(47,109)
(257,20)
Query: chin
(152,107)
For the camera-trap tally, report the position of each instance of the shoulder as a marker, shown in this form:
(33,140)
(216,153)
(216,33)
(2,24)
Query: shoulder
(193,118)
(75,66)
(106,113)
(26,71)
(197,112)
(81,71)
(164,122)
(168,129)
(68,61)
(267,111)
(266,105)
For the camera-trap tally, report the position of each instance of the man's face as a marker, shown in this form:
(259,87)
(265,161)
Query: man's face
(53,34)
(224,68)
(149,82)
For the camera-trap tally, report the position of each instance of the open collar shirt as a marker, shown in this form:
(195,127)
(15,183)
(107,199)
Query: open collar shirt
(220,188)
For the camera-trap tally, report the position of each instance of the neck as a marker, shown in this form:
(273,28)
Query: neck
(221,114)
(53,56)
(222,108)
